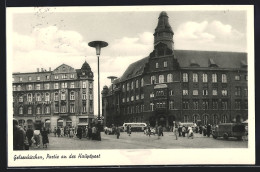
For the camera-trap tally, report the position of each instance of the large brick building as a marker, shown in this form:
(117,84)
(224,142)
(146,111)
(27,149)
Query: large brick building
(179,85)
(62,97)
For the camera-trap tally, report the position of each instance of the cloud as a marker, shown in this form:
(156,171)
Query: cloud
(209,36)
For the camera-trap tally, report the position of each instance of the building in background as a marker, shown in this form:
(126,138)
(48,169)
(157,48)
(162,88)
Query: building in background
(206,87)
(62,97)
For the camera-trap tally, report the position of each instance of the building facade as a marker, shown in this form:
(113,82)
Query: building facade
(206,87)
(62,97)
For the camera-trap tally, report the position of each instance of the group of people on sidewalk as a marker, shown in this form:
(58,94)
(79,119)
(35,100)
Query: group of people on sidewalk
(24,138)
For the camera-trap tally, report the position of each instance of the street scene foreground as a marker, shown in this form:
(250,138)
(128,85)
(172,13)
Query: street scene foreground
(138,140)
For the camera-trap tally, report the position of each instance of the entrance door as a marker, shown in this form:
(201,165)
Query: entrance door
(162,121)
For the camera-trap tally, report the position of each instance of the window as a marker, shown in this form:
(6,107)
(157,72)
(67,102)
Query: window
(224,119)
(246,77)
(20,110)
(224,105)
(38,97)
(47,86)
(71,75)
(127,87)
(20,98)
(205,104)
(38,78)
(47,77)
(19,88)
(136,84)
(204,92)
(47,97)
(123,100)
(84,84)
(160,93)
(224,78)
(195,77)
(38,110)
(84,108)
(196,104)
(185,77)
(38,86)
(245,92)
(161,79)
(142,108)
(29,87)
(215,119)
(72,96)
(63,96)
(63,85)
(63,109)
(127,99)
(185,118)
(14,88)
(195,92)
(246,104)
(132,98)
(152,106)
(132,85)
(56,86)
(205,119)
(20,79)
(214,78)
(29,97)
(91,106)
(151,95)
(56,97)
(72,85)
(72,108)
(171,92)
(142,82)
(237,91)
(215,104)
(214,92)
(90,85)
(56,77)
(185,92)
(237,77)
(56,108)
(171,105)
(195,118)
(47,109)
(165,64)
(142,96)
(224,92)
(153,80)
(137,97)
(156,65)
(169,77)
(185,104)
(29,78)
(204,77)
(238,104)
(123,87)
(30,110)
(84,96)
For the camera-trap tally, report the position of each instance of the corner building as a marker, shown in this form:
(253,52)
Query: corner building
(62,97)
(206,87)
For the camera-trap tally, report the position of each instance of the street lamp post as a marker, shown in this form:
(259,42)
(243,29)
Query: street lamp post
(98,45)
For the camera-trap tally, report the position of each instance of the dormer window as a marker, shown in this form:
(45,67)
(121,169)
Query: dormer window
(156,65)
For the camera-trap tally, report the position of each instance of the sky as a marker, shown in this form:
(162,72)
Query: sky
(48,37)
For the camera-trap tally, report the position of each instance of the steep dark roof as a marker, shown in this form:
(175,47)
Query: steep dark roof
(187,58)
(134,69)
(85,66)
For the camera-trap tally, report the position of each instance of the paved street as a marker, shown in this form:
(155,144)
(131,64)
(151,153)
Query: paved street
(140,141)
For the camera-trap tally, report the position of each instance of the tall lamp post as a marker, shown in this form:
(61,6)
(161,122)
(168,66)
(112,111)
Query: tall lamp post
(98,45)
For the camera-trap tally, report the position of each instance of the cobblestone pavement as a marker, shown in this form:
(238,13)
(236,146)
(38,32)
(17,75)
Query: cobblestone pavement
(138,140)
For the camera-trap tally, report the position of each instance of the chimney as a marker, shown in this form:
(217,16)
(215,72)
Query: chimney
(37,69)
(49,68)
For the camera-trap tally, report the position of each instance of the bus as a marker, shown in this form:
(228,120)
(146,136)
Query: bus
(135,126)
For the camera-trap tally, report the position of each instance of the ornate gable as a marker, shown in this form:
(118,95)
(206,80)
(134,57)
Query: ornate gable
(64,69)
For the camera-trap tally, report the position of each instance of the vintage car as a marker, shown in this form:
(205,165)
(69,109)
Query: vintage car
(227,130)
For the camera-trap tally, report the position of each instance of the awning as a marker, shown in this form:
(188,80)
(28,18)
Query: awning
(82,124)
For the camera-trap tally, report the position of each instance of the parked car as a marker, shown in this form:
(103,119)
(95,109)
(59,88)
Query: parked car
(227,130)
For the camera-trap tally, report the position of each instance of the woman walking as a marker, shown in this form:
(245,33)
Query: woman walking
(45,139)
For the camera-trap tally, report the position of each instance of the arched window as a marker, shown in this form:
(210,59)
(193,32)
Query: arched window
(30,110)
(195,118)
(224,118)
(38,110)
(56,96)
(20,110)
(153,80)
(161,78)
(29,97)
(63,96)
(47,109)
(136,84)
(47,97)
(152,106)
(205,119)
(38,97)
(72,95)
(20,98)
(142,82)
(215,119)
(169,77)
(185,118)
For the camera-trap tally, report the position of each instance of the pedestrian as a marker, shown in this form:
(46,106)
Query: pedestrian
(71,132)
(117,132)
(183,131)
(61,131)
(149,131)
(208,130)
(94,133)
(36,135)
(180,130)
(175,129)
(55,131)
(190,132)
(79,132)
(29,135)
(160,128)
(18,136)
(58,131)
(45,139)
(90,132)
(204,130)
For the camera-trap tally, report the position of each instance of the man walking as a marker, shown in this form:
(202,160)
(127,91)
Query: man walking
(18,136)
(175,129)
